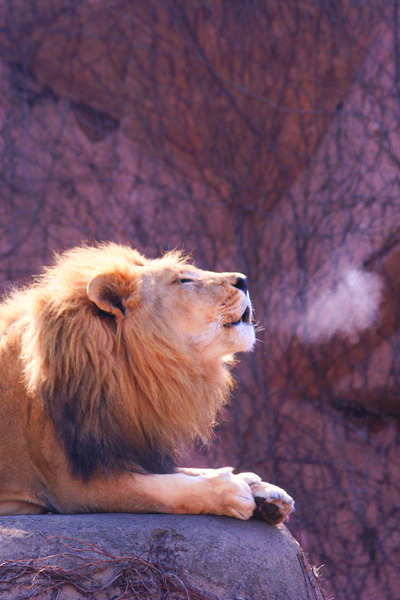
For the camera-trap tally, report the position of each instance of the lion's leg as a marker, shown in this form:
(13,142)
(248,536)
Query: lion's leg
(189,491)
(218,493)
(215,492)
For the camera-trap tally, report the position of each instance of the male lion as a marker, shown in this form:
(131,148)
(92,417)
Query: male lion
(109,364)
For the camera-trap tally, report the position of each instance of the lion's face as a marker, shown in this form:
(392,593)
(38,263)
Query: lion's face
(206,311)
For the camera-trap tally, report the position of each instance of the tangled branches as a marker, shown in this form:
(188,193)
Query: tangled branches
(91,571)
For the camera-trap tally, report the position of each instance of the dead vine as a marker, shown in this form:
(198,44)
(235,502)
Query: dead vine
(90,571)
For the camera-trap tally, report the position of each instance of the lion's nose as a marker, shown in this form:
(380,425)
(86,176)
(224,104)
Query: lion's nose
(241,284)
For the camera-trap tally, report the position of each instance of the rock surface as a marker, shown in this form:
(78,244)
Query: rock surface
(137,556)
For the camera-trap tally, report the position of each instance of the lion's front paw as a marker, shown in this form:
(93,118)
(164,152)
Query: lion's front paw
(234,496)
(273,503)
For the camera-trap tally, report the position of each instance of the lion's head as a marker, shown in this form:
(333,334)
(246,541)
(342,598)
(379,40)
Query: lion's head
(130,355)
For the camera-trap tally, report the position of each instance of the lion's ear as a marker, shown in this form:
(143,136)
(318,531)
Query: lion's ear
(106,292)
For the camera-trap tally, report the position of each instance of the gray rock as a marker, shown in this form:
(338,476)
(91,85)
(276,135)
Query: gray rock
(151,557)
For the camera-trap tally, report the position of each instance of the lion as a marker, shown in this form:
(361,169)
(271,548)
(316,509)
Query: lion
(110,365)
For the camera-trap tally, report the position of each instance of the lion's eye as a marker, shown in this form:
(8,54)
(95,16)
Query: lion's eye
(185,280)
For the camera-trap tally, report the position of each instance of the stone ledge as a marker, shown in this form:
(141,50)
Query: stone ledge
(195,557)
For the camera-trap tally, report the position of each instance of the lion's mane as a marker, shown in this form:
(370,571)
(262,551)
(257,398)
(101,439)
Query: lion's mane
(122,394)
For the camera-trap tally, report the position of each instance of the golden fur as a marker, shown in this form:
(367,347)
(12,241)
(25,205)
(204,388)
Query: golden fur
(111,364)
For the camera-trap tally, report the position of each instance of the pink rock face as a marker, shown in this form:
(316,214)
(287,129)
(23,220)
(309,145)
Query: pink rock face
(265,138)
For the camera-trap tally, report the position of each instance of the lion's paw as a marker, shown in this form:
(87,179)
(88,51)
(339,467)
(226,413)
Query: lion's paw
(273,504)
(235,498)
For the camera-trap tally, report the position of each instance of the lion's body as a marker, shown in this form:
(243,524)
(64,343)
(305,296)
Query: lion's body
(109,365)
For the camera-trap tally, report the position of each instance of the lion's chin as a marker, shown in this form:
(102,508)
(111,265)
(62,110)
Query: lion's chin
(241,337)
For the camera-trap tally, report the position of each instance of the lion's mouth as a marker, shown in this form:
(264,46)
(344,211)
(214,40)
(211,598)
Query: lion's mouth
(245,318)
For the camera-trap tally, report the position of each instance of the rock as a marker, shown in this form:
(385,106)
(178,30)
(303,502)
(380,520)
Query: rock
(137,556)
